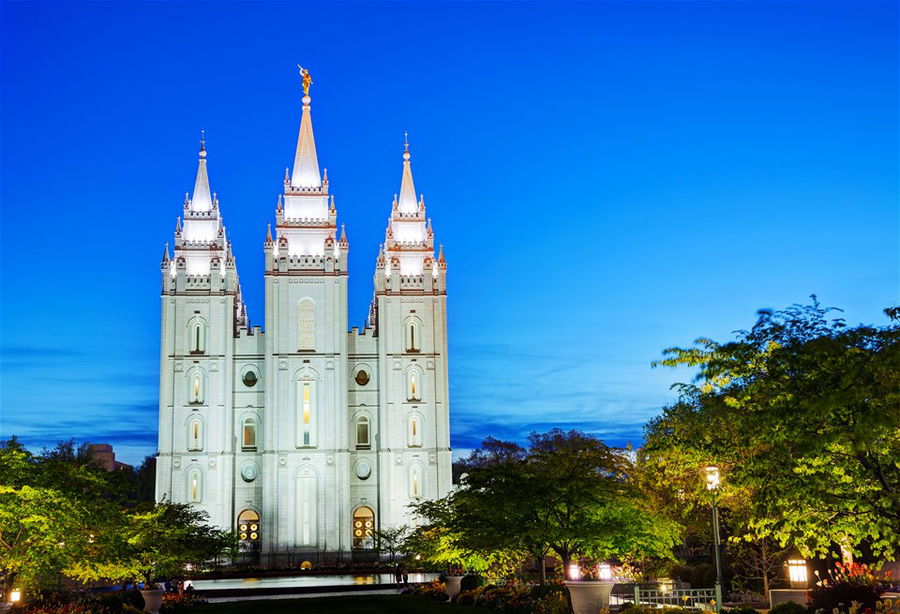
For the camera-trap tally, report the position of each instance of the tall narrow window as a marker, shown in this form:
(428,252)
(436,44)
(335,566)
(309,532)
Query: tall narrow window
(196,388)
(413,336)
(195,435)
(306,324)
(197,337)
(413,386)
(195,486)
(306,508)
(414,432)
(362,432)
(249,435)
(415,482)
(306,413)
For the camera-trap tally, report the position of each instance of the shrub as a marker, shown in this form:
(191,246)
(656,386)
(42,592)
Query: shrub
(433,590)
(176,603)
(845,585)
(470,582)
(788,607)
(743,611)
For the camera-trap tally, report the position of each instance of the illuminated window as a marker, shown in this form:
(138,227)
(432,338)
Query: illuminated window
(413,386)
(306,508)
(414,432)
(415,482)
(413,336)
(362,432)
(248,441)
(248,528)
(195,486)
(195,435)
(363,528)
(196,383)
(306,324)
(306,416)
(250,379)
(197,337)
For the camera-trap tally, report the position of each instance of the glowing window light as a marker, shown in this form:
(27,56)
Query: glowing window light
(797,572)
(604,571)
(15,595)
(574,572)
(712,477)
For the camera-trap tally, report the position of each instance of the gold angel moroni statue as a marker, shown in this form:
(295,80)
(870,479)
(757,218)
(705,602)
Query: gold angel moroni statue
(307,80)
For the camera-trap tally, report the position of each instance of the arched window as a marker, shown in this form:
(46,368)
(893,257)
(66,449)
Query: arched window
(413,336)
(248,436)
(415,482)
(413,386)
(196,392)
(306,413)
(195,486)
(306,324)
(195,435)
(306,508)
(414,432)
(197,338)
(248,528)
(362,432)
(363,528)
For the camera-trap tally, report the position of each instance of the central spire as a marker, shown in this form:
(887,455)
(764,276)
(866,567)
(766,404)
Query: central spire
(201,199)
(407,202)
(306,162)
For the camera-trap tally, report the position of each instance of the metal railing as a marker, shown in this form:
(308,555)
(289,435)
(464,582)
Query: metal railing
(688,598)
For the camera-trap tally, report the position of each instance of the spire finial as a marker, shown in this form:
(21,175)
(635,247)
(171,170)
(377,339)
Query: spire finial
(307,81)
(405,145)
(202,143)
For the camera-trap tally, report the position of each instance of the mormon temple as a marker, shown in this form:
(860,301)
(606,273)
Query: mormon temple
(304,437)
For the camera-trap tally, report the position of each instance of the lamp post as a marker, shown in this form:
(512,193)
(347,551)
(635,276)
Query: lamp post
(712,484)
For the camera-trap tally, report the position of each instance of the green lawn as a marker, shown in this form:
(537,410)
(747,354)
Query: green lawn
(356,604)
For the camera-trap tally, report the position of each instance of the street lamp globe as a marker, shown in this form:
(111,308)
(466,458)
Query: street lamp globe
(712,477)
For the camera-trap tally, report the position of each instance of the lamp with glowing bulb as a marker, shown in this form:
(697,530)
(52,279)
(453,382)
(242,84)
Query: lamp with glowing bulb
(712,485)
(574,571)
(15,595)
(604,572)
(798,573)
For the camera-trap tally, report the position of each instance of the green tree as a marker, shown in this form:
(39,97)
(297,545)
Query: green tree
(803,415)
(156,543)
(391,539)
(569,493)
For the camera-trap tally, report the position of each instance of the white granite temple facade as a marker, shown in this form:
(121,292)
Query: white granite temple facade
(304,437)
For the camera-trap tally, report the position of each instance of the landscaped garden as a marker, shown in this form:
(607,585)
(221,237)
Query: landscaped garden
(772,470)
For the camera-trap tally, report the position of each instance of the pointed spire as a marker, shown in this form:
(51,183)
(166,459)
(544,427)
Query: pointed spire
(166,253)
(407,201)
(178,226)
(201,200)
(268,233)
(306,162)
(441,254)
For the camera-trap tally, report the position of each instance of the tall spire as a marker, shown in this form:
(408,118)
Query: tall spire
(201,200)
(407,203)
(306,162)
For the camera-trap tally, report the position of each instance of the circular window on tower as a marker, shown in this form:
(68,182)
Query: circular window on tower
(249,472)
(250,379)
(362,377)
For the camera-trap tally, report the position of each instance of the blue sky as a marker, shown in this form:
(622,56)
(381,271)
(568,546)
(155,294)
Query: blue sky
(608,179)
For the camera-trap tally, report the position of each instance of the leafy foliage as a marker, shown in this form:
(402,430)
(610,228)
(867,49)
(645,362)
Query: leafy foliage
(569,493)
(848,584)
(802,414)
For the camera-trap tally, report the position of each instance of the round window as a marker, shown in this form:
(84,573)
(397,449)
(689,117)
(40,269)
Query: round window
(250,379)
(362,377)
(363,470)
(248,472)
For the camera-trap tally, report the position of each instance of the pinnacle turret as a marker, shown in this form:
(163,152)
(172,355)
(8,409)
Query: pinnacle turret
(306,162)
(201,199)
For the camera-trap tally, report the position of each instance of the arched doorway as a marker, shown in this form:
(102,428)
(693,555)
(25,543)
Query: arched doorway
(364,528)
(248,529)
